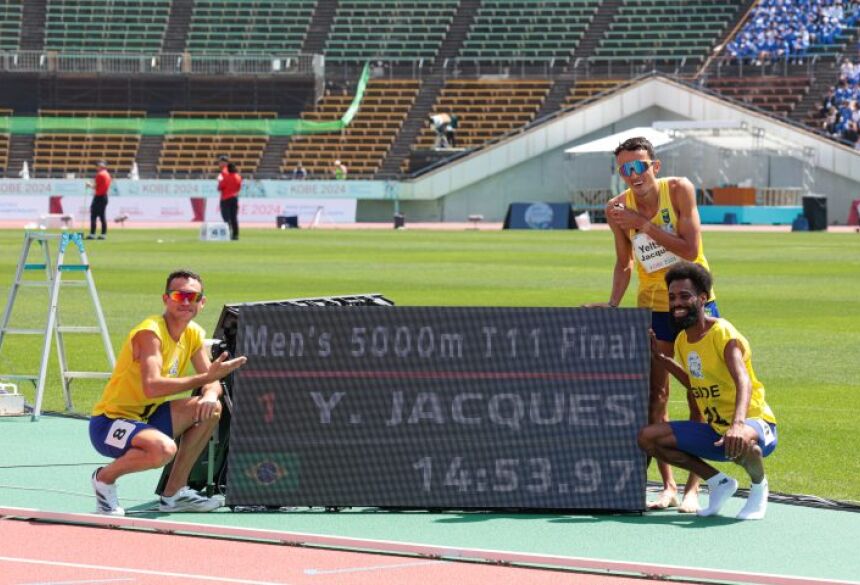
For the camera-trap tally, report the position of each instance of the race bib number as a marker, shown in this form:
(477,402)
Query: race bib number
(651,255)
(119,433)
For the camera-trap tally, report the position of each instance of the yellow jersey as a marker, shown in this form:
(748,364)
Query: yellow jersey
(123,396)
(652,259)
(710,380)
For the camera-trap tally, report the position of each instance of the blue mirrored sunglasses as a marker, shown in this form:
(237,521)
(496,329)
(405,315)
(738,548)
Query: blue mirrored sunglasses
(634,166)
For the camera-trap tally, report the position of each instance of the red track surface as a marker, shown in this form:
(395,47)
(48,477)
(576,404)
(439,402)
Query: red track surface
(52,554)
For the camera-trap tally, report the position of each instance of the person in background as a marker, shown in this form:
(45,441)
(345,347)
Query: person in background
(229,185)
(443,125)
(300,173)
(98,208)
(340,170)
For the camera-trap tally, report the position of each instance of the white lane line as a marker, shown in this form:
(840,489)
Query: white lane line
(87,582)
(138,571)
(371,568)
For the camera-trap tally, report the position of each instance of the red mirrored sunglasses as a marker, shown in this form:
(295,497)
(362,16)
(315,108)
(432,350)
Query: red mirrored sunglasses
(185,295)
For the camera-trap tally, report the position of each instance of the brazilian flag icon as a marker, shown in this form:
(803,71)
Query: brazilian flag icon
(267,472)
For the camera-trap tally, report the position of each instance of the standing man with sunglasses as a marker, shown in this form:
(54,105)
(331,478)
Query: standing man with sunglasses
(138,416)
(655,223)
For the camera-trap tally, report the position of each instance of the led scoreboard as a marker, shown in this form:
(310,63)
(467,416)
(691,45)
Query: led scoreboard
(440,408)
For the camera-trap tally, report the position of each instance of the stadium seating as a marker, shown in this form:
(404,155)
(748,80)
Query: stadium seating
(388,29)
(487,109)
(584,89)
(78,153)
(776,94)
(362,146)
(249,26)
(505,29)
(10,24)
(665,30)
(794,29)
(5,141)
(59,153)
(198,153)
(92,26)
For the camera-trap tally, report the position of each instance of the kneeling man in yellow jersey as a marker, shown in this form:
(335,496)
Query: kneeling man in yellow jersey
(715,367)
(138,417)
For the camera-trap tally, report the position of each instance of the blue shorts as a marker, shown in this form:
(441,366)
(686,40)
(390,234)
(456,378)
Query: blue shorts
(662,324)
(698,438)
(112,436)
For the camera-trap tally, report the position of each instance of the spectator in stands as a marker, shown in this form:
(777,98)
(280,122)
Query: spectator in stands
(98,208)
(850,134)
(139,416)
(831,122)
(827,102)
(655,225)
(788,28)
(444,125)
(300,173)
(229,185)
(716,369)
(340,171)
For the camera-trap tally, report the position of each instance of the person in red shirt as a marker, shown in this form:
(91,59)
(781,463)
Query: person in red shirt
(100,186)
(229,184)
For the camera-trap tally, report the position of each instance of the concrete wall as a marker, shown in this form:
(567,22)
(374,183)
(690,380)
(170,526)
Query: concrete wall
(532,166)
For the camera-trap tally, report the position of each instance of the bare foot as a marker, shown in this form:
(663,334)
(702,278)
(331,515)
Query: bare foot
(690,503)
(668,499)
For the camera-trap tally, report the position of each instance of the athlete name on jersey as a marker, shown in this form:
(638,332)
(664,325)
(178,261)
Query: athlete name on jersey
(651,255)
(706,391)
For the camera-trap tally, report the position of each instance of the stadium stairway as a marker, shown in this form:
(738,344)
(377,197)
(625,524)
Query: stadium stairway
(557,96)
(147,155)
(21,148)
(178,24)
(598,27)
(415,122)
(709,67)
(273,156)
(33,17)
(457,32)
(318,31)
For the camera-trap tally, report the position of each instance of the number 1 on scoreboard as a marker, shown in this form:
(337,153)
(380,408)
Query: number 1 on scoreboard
(267,401)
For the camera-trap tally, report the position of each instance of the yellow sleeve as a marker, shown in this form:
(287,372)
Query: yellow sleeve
(726,333)
(148,324)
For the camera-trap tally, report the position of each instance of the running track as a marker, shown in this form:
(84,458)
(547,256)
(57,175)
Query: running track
(35,553)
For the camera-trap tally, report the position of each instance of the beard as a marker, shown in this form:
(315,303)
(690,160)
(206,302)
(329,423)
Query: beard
(688,320)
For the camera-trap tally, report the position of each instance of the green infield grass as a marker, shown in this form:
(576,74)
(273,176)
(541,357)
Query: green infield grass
(796,296)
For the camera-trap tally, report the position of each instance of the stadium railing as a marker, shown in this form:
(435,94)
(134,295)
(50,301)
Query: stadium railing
(159,63)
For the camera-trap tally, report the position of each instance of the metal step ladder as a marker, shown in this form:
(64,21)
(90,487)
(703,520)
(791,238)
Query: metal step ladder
(54,329)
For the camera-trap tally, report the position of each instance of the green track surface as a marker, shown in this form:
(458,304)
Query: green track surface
(47,465)
(794,295)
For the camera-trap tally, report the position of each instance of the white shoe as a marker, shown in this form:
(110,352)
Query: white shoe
(107,501)
(724,489)
(188,500)
(756,505)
